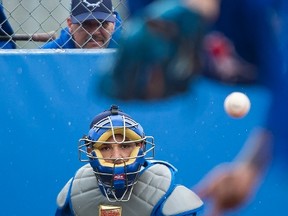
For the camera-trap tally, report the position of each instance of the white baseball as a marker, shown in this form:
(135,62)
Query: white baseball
(237,105)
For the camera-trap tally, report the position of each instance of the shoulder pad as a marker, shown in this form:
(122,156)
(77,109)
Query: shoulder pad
(181,200)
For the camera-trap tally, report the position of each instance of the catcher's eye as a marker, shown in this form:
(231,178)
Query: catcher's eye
(105,147)
(127,145)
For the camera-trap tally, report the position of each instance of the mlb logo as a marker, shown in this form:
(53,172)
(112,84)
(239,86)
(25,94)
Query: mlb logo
(119,177)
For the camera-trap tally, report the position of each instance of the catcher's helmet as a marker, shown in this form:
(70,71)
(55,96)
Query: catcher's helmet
(116,176)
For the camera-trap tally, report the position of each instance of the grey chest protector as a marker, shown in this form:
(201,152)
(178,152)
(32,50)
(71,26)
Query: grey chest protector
(154,194)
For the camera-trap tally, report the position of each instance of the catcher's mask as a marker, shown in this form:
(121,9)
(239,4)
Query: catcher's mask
(116,175)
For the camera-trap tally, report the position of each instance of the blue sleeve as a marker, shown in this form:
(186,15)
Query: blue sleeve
(249,25)
(116,36)
(277,81)
(64,41)
(7,45)
(5,29)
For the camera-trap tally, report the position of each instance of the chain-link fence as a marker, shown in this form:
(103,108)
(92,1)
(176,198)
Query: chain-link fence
(30,24)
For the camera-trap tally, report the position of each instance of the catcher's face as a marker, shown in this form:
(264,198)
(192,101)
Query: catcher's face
(91,33)
(117,153)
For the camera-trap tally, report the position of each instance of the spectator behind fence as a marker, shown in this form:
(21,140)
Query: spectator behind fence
(5,30)
(92,24)
(120,177)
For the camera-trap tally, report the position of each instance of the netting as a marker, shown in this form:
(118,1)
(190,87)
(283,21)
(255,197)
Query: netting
(29,24)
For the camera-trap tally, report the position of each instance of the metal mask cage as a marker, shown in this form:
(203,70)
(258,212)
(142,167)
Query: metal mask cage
(85,156)
(106,180)
(116,176)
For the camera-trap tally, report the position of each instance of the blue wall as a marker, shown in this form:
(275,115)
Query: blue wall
(48,99)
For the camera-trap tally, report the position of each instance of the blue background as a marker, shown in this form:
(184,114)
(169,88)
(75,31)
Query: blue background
(48,99)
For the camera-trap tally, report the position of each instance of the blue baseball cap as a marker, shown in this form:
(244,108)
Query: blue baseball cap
(82,10)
